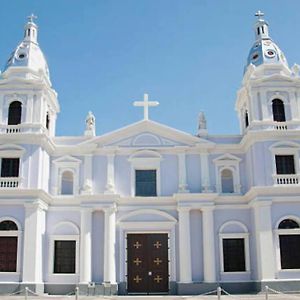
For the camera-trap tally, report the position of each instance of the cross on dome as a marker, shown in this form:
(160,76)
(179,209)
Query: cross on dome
(146,104)
(31,18)
(259,14)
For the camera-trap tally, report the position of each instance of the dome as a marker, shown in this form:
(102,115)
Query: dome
(264,50)
(28,53)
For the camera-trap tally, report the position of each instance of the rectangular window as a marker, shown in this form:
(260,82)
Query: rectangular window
(64,257)
(234,255)
(145,183)
(8,254)
(289,251)
(285,164)
(10,167)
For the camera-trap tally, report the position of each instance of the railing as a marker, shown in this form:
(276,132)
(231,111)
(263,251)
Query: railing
(286,179)
(22,128)
(272,125)
(9,182)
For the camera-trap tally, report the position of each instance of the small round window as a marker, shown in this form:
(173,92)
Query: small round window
(255,56)
(21,56)
(270,53)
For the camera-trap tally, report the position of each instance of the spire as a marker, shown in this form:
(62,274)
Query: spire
(30,29)
(261,27)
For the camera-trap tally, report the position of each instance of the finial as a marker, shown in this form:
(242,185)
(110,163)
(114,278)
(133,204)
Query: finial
(90,126)
(202,127)
(31,18)
(259,14)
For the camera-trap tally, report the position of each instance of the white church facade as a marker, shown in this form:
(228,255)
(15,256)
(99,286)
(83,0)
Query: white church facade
(148,208)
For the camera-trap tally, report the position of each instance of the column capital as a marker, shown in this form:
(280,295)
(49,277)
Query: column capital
(183,208)
(207,208)
(36,204)
(110,209)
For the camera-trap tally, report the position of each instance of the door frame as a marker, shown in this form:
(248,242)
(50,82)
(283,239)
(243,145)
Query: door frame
(147,228)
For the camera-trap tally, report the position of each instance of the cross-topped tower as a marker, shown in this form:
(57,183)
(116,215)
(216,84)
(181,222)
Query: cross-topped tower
(146,103)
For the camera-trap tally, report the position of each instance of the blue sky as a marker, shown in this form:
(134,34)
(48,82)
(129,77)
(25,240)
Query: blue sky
(189,55)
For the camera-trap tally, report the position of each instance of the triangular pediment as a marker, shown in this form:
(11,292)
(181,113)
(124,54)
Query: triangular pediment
(146,134)
(67,159)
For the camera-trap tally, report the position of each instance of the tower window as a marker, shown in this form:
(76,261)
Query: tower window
(278,110)
(10,167)
(285,164)
(258,30)
(246,119)
(14,113)
(47,121)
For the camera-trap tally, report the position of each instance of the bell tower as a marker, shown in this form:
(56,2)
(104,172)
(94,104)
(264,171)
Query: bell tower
(269,97)
(28,101)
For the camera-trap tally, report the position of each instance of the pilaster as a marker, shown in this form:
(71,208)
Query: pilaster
(185,264)
(182,182)
(86,246)
(88,171)
(34,230)
(209,244)
(205,174)
(264,241)
(109,245)
(110,182)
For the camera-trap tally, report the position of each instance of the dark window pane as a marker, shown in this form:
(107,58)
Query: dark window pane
(288,224)
(10,167)
(8,254)
(47,121)
(14,113)
(278,110)
(289,251)
(8,225)
(234,255)
(246,119)
(64,256)
(285,164)
(145,183)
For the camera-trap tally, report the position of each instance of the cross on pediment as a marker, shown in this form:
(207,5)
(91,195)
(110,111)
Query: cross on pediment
(146,104)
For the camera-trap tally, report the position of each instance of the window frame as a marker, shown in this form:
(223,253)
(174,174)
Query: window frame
(145,160)
(14,233)
(277,233)
(53,238)
(231,162)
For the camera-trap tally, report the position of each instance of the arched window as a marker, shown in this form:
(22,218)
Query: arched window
(289,243)
(14,113)
(278,110)
(67,183)
(47,121)
(227,181)
(8,246)
(246,119)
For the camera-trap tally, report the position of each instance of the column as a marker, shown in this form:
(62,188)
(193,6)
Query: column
(182,184)
(264,241)
(109,245)
(205,176)
(34,230)
(110,182)
(185,264)
(208,244)
(293,108)
(86,246)
(87,173)
(29,109)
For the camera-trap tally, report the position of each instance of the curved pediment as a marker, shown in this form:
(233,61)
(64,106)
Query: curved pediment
(147,215)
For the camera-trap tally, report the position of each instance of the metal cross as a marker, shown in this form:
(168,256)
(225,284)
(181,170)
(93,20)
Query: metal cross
(137,279)
(157,261)
(157,244)
(146,105)
(259,14)
(158,279)
(31,18)
(137,245)
(137,261)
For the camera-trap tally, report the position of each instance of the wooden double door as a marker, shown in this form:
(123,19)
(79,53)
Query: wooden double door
(147,263)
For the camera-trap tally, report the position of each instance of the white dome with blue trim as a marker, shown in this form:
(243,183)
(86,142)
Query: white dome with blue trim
(264,50)
(28,53)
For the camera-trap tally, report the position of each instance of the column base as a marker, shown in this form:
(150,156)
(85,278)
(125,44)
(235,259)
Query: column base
(37,288)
